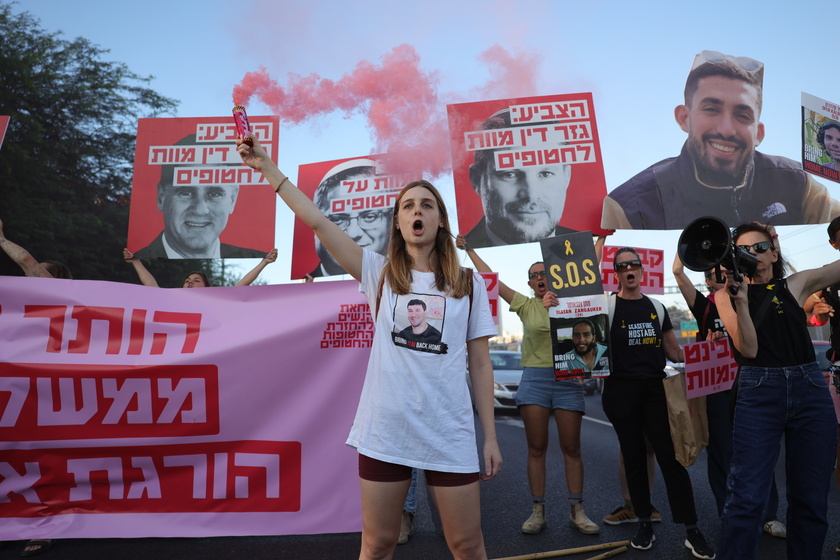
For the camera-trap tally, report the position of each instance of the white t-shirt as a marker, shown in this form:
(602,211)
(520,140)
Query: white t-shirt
(415,406)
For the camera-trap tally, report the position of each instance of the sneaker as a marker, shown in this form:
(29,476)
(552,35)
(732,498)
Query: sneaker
(644,537)
(695,542)
(621,515)
(655,516)
(776,529)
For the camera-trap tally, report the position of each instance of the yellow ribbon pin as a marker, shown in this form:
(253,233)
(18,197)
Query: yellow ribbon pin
(569,250)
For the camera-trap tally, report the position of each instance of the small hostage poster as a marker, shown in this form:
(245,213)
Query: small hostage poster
(579,325)
(358,195)
(821,137)
(526,169)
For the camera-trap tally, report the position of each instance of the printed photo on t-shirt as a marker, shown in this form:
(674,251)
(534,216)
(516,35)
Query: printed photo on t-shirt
(418,322)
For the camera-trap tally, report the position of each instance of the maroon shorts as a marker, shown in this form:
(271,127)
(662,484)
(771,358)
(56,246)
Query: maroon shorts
(380,471)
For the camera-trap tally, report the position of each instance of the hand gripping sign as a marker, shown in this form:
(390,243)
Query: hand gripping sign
(579,326)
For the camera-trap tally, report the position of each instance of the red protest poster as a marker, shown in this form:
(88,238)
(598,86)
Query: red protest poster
(358,194)
(526,169)
(653,281)
(192,197)
(4,124)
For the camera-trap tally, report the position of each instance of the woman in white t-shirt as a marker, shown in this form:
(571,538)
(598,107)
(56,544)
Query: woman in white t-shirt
(415,408)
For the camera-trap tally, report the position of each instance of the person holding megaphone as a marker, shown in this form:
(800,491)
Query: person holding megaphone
(781,392)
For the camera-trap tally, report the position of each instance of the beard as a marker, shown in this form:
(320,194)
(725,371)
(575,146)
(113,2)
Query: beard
(589,349)
(718,172)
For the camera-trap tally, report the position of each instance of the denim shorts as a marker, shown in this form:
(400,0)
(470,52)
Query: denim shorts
(539,387)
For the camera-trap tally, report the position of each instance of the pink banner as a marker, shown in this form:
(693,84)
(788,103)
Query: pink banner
(184,413)
(652,261)
(709,367)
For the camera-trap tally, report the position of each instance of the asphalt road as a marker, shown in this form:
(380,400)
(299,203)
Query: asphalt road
(505,505)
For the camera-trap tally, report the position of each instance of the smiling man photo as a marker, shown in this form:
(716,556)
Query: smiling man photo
(194,215)
(719,172)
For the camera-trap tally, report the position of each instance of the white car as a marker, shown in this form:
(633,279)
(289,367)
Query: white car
(507,374)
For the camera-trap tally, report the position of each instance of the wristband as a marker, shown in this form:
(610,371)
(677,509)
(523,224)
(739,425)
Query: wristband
(816,322)
(277,190)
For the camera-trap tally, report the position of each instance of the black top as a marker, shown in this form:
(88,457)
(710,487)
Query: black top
(832,297)
(780,325)
(706,313)
(636,340)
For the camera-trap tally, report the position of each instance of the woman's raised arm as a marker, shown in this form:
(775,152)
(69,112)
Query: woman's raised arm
(340,245)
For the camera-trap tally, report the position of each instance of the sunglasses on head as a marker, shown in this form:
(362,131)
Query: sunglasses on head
(760,247)
(746,63)
(635,264)
(538,274)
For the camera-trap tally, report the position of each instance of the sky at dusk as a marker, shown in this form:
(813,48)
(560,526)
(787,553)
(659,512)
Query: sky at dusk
(632,56)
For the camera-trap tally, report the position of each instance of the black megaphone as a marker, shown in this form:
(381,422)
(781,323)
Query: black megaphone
(706,243)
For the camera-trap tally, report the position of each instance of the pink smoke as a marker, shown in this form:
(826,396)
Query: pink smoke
(404,111)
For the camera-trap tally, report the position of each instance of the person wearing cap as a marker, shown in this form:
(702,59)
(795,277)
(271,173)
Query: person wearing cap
(719,172)
(370,228)
(520,205)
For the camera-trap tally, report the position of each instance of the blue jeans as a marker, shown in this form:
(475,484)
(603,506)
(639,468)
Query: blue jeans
(719,411)
(773,402)
(411,498)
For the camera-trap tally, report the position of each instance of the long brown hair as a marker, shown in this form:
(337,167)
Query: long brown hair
(443,259)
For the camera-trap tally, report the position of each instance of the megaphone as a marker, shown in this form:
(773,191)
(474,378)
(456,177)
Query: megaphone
(706,244)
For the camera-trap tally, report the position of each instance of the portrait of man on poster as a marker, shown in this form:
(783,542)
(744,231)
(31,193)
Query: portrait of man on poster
(520,205)
(828,137)
(370,228)
(194,216)
(418,329)
(719,172)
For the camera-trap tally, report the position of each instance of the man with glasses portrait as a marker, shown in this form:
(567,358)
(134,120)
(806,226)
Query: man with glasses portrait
(370,227)
(719,172)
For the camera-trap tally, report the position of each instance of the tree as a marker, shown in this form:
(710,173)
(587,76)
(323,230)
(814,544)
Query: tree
(66,162)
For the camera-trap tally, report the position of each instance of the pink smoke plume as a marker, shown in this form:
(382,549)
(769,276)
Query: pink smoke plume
(405,113)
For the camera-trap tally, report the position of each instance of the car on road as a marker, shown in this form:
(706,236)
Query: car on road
(507,374)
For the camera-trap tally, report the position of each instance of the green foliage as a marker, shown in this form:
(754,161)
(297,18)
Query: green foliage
(66,162)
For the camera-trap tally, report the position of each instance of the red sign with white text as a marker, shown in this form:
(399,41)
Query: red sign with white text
(189,156)
(710,367)
(546,149)
(653,281)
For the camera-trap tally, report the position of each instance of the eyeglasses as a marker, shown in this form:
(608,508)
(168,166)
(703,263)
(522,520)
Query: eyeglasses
(366,220)
(760,247)
(635,264)
(748,64)
(538,274)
